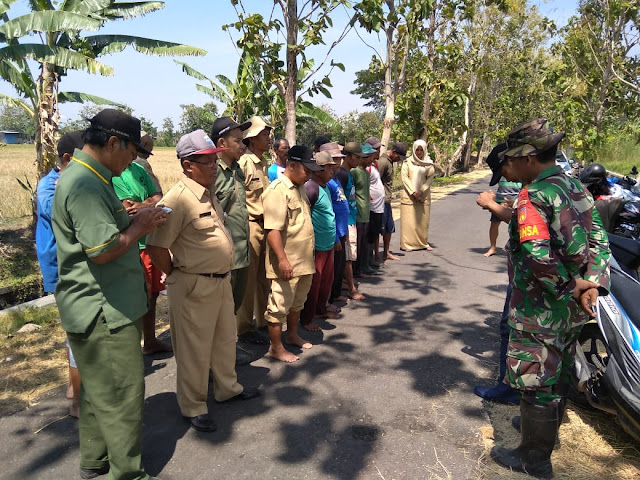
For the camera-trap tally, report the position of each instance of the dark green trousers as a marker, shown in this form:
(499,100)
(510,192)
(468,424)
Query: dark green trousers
(238,286)
(111,398)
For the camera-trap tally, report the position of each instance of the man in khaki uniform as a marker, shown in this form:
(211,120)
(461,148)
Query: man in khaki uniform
(290,244)
(254,168)
(195,250)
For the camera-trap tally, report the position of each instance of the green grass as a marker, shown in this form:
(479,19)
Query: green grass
(18,261)
(620,155)
(12,321)
(452,180)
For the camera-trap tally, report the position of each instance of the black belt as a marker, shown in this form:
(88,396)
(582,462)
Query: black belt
(214,275)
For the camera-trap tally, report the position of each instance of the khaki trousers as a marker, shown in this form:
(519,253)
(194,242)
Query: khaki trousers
(203,332)
(254,303)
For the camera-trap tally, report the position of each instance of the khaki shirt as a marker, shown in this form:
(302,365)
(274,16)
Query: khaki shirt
(256,182)
(232,197)
(87,220)
(194,231)
(286,209)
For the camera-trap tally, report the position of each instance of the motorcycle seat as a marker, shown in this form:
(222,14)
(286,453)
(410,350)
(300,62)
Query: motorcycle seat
(626,251)
(626,291)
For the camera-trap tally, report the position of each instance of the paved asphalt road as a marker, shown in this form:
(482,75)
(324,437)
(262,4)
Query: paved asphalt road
(386,392)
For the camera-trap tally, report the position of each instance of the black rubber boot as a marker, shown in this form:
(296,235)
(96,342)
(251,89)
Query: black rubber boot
(539,431)
(563,391)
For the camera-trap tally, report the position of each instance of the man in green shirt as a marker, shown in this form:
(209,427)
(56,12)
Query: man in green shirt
(136,190)
(231,193)
(101,294)
(362,184)
(143,159)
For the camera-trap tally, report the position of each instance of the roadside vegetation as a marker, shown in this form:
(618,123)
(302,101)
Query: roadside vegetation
(31,363)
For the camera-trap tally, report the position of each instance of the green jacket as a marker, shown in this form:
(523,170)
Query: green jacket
(232,196)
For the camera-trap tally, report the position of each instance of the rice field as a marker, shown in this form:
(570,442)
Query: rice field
(18,162)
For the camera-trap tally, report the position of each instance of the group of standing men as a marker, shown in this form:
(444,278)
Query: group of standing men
(241,256)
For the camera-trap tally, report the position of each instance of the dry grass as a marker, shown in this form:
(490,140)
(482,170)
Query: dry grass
(18,161)
(31,363)
(18,262)
(592,446)
(34,363)
(166,166)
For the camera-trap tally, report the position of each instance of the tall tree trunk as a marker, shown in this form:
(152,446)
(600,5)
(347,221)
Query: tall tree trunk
(48,118)
(394,75)
(468,109)
(389,91)
(431,57)
(482,154)
(291,87)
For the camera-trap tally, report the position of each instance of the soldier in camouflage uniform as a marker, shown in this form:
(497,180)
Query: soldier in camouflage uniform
(558,264)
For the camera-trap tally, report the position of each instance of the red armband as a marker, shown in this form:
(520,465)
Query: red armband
(531,225)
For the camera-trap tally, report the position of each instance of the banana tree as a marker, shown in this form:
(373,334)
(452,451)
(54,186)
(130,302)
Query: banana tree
(251,95)
(64,46)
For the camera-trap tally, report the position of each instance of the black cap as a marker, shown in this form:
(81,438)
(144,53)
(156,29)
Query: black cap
(69,142)
(495,160)
(117,123)
(401,149)
(223,125)
(321,140)
(304,155)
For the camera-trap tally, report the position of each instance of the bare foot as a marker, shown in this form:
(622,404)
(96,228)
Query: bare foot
(283,355)
(333,309)
(391,256)
(341,298)
(312,327)
(329,315)
(490,252)
(74,409)
(428,248)
(156,346)
(355,295)
(299,341)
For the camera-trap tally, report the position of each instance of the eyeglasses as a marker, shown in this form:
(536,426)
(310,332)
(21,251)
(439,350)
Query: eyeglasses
(208,163)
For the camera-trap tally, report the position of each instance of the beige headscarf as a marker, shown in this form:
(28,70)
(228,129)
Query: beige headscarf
(420,168)
(426,159)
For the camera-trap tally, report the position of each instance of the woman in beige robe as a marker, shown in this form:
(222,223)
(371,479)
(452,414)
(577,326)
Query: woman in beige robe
(417,175)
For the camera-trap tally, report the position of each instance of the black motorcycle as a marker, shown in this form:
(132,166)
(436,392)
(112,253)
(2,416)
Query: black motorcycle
(620,215)
(608,351)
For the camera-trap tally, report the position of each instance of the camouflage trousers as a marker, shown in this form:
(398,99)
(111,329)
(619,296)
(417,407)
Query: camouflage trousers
(538,362)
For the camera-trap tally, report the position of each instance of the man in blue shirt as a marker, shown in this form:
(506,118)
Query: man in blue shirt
(341,211)
(46,245)
(352,159)
(280,150)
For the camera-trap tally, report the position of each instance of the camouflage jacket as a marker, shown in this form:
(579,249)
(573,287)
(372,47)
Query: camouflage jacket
(556,236)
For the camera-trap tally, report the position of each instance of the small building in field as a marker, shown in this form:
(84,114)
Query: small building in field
(10,137)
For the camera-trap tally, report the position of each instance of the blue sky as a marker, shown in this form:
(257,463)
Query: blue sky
(155,87)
